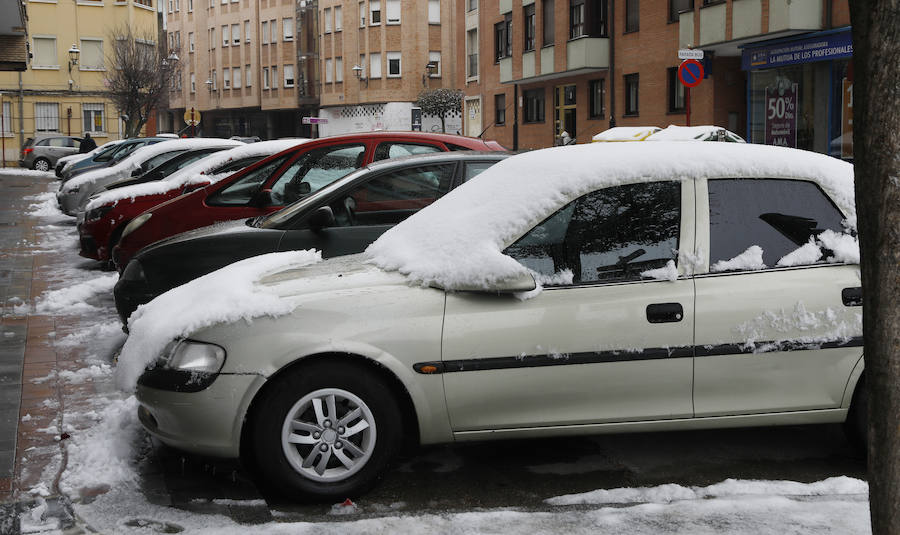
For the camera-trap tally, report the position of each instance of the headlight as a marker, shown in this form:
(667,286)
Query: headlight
(97,213)
(193,356)
(135,224)
(185,366)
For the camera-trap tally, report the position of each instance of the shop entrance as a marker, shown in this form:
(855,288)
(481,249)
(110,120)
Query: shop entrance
(564,106)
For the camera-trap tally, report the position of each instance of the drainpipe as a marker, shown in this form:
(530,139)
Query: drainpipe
(21,113)
(612,64)
(828,18)
(515,116)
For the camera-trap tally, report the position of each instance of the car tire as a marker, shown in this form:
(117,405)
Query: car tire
(856,427)
(302,450)
(41,164)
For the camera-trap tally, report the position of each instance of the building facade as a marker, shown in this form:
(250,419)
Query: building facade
(536,69)
(238,67)
(61,91)
(377,56)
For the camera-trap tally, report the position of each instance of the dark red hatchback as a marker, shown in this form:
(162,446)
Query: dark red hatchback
(279,180)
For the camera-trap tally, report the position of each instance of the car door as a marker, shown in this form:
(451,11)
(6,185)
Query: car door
(369,208)
(607,340)
(777,328)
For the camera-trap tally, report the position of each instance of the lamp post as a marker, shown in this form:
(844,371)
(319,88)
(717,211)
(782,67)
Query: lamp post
(430,68)
(73,60)
(358,70)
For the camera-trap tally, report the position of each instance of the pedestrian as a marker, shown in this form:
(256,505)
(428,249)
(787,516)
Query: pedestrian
(87,144)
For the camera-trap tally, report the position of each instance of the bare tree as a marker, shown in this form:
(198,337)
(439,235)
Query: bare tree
(440,102)
(876,147)
(139,76)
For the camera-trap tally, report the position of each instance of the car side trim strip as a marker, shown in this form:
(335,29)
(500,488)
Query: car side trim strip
(596,357)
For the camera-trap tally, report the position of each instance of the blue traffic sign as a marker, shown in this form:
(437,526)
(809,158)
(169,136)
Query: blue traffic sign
(690,72)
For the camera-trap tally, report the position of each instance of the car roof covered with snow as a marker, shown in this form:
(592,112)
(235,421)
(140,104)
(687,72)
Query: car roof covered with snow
(626,133)
(695,133)
(458,241)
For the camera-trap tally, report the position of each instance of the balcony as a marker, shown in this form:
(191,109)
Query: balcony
(795,15)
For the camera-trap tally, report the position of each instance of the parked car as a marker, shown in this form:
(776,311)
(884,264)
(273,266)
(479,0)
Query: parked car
(109,212)
(108,156)
(280,180)
(682,286)
(74,195)
(41,152)
(72,159)
(341,218)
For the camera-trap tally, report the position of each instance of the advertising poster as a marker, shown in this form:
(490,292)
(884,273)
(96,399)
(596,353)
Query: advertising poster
(781,116)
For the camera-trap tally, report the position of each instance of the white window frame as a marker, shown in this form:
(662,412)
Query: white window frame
(226,35)
(215,80)
(93,108)
(329,65)
(326,16)
(375,65)
(212,38)
(393,11)
(193,83)
(47,118)
(190,6)
(274,79)
(191,42)
(6,127)
(374,7)
(246,31)
(362,14)
(34,62)
(82,66)
(226,78)
(248,76)
(236,78)
(397,56)
(264,32)
(434,11)
(265,78)
(435,55)
(177,5)
(289,81)
(287,28)
(339,69)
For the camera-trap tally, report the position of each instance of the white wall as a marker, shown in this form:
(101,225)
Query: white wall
(372,117)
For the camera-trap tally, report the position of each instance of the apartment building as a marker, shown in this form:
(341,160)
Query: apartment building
(536,69)
(376,56)
(62,88)
(238,67)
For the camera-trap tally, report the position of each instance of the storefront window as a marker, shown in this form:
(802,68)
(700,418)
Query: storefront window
(841,144)
(789,108)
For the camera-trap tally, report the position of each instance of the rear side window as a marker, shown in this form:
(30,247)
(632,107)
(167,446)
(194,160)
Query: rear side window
(474,169)
(776,216)
(42,143)
(393,149)
(242,190)
(315,169)
(237,165)
(610,235)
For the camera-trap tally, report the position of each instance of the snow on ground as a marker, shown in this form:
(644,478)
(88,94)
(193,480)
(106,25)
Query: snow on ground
(14,171)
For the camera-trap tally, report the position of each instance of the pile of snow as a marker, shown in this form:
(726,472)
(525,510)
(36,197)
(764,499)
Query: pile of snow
(195,173)
(46,206)
(626,133)
(227,295)
(458,241)
(694,133)
(749,260)
(73,299)
(134,160)
(12,171)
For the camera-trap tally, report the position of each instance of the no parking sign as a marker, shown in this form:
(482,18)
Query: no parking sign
(690,72)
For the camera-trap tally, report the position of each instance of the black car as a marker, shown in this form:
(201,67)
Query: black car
(341,218)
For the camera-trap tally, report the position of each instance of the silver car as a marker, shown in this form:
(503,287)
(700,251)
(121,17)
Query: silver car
(41,152)
(599,288)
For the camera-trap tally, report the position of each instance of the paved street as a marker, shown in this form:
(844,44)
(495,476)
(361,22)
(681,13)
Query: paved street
(57,348)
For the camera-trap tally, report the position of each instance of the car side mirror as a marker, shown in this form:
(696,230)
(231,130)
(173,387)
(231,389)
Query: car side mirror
(304,188)
(323,217)
(137,172)
(261,198)
(522,282)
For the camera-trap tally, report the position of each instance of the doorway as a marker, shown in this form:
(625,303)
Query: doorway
(564,104)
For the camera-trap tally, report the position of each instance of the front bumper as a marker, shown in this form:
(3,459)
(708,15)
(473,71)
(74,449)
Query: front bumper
(208,422)
(69,202)
(130,294)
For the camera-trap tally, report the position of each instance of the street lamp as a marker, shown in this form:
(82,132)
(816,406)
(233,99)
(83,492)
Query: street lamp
(73,56)
(358,70)
(430,68)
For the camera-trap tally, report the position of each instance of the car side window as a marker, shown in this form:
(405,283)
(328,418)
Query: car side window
(242,190)
(474,169)
(316,169)
(393,196)
(777,216)
(59,142)
(42,143)
(609,235)
(395,149)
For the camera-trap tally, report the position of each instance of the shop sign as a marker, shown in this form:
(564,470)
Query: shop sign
(781,116)
(847,119)
(825,47)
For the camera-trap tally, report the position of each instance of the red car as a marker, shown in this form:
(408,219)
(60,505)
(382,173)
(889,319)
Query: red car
(277,181)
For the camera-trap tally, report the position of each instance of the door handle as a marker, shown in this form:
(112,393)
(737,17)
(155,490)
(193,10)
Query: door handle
(665,312)
(852,297)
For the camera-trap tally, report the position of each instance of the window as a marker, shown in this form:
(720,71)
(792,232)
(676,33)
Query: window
(316,169)
(338,22)
(503,38)
(190,6)
(91,57)
(215,79)
(676,91)
(226,36)
(500,109)
(246,31)
(177,41)
(177,5)
(391,197)
(471,5)
(375,65)
(393,11)
(93,118)
(631,94)
(265,77)
(7,120)
(548,33)
(287,27)
(529,27)
(193,83)
(533,100)
(609,235)
(46,117)
(236,78)
(393,60)
(394,149)
(329,70)
(374,12)
(434,11)
(338,69)
(242,190)
(289,76)
(472,50)
(677,6)
(264,34)
(45,53)
(632,16)
(226,78)
(171,6)
(190,41)
(362,14)
(778,216)
(328,19)
(576,18)
(248,78)
(212,38)
(597,96)
(274,77)
(434,58)
(235,34)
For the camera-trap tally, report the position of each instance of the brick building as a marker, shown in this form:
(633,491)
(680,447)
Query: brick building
(534,69)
